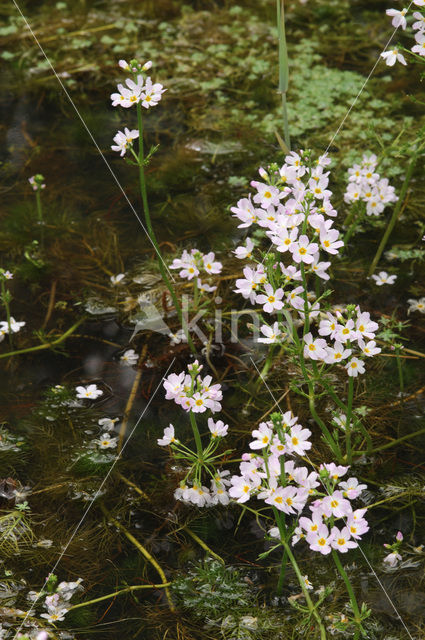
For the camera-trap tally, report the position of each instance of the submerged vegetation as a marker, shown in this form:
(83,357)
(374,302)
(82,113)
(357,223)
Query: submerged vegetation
(238,230)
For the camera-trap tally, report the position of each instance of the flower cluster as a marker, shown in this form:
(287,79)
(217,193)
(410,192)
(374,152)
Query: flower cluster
(201,496)
(139,89)
(192,392)
(56,602)
(275,478)
(366,185)
(37,182)
(196,394)
(192,264)
(293,207)
(399,20)
(394,558)
(350,329)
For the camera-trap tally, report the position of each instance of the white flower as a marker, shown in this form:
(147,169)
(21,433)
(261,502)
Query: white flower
(369,349)
(14,326)
(57,616)
(314,349)
(129,358)
(106,442)
(420,47)
(244,252)
(151,94)
(393,56)
(303,250)
(203,287)
(341,541)
(117,279)
(124,140)
(210,264)
(272,333)
(271,300)
(297,440)
(262,435)
(129,95)
(168,437)
(354,367)
(384,278)
(392,559)
(336,353)
(91,392)
(416,305)
(398,17)
(218,429)
(177,337)
(307,582)
(107,423)
(420,24)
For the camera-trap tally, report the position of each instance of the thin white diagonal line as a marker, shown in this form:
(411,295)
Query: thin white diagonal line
(28,613)
(93,139)
(344,520)
(363,85)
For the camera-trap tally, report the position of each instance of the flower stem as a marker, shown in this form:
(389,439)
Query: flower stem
(349,587)
(400,372)
(46,345)
(196,435)
(290,555)
(283,68)
(118,593)
(144,552)
(327,434)
(161,263)
(5,299)
(40,216)
(348,452)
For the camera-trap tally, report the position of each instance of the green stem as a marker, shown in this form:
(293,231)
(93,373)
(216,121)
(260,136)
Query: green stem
(267,365)
(5,299)
(394,442)
(396,212)
(353,213)
(40,216)
(331,442)
(283,68)
(357,616)
(299,575)
(161,263)
(195,293)
(348,452)
(46,345)
(400,372)
(197,436)
(353,226)
(342,406)
(282,573)
(118,593)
